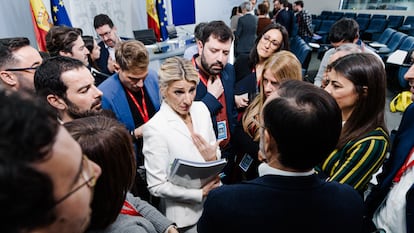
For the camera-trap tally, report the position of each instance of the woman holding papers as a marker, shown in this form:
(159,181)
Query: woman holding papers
(180,129)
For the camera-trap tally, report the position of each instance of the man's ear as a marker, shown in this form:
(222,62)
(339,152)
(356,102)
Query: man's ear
(65,54)
(56,102)
(117,67)
(8,78)
(269,144)
(200,46)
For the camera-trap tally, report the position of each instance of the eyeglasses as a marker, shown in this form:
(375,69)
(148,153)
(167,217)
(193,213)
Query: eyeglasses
(266,39)
(23,69)
(88,174)
(106,34)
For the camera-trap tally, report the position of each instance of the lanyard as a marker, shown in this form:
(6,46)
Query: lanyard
(404,168)
(128,209)
(142,111)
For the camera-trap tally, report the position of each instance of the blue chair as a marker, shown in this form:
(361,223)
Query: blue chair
(363,24)
(407,25)
(351,15)
(379,16)
(392,44)
(407,44)
(385,36)
(333,17)
(324,30)
(302,51)
(363,15)
(375,29)
(395,21)
(316,23)
(325,14)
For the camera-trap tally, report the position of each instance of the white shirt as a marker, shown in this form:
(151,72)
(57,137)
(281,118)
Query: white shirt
(390,215)
(265,169)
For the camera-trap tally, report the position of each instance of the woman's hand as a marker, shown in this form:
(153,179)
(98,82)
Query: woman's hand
(206,150)
(172,229)
(211,185)
(241,101)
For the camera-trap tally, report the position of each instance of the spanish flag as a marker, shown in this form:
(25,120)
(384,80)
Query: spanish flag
(41,22)
(153,18)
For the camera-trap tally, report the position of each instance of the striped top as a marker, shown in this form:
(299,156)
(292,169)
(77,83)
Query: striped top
(357,161)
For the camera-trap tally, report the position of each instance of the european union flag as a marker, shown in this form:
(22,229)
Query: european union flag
(162,16)
(59,14)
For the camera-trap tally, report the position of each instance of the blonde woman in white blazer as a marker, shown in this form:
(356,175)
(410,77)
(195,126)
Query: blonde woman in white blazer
(180,129)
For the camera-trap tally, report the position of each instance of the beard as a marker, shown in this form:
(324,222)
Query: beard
(209,69)
(75,113)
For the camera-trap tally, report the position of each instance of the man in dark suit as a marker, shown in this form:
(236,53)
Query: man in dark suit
(246,30)
(288,197)
(284,16)
(217,77)
(106,30)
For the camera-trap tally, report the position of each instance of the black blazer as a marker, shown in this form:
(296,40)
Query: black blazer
(283,204)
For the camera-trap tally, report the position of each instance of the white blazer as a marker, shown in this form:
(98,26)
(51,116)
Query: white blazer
(166,137)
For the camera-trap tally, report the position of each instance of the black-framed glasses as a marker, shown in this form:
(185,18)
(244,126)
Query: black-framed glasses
(22,69)
(105,34)
(88,174)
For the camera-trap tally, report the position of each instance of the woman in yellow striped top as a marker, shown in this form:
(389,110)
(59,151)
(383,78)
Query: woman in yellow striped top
(358,84)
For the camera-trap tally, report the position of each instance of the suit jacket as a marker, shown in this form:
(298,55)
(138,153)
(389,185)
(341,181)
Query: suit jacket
(402,144)
(213,105)
(102,62)
(166,137)
(114,97)
(283,204)
(287,19)
(245,33)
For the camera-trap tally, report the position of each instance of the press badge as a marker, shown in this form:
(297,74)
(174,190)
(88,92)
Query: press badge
(246,162)
(222,130)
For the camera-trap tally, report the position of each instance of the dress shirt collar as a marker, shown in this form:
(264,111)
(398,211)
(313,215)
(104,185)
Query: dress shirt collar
(265,169)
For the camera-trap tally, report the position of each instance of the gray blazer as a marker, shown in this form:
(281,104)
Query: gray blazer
(245,33)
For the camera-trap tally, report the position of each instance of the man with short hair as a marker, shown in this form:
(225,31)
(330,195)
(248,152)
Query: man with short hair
(345,30)
(68,86)
(47,183)
(198,31)
(133,95)
(18,63)
(284,15)
(107,31)
(246,31)
(304,21)
(288,196)
(216,86)
(68,42)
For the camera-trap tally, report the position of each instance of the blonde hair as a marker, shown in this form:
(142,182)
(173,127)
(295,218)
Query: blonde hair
(176,69)
(131,55)
(284,66)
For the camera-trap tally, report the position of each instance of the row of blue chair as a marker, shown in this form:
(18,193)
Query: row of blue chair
(395,40)
(399,22)
(369,28)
